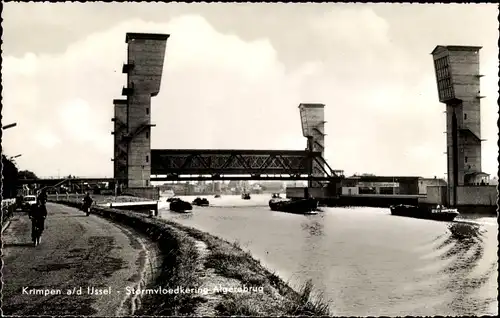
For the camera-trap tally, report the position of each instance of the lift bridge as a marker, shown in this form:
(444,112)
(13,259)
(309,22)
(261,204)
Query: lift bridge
(195,164)
(136,164)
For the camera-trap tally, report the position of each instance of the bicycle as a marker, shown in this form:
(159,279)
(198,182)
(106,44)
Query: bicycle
(36,233)
(85,208)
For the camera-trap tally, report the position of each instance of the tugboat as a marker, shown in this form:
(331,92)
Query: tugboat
(301,206)
(245,196)
(177,205)
(438,213)
(200,202)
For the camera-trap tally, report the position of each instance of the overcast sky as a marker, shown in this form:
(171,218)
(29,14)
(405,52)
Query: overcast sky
(234,75)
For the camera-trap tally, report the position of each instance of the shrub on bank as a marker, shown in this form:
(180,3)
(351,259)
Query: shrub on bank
(8,208)
(180,263)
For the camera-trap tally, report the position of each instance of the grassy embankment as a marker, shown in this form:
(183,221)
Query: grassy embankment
(217,262)
(229,260)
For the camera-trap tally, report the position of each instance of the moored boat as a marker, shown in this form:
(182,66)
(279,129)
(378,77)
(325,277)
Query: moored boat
(217,196)
(302,206)
(177,205)
(200,202)
(420,212)
(245,196)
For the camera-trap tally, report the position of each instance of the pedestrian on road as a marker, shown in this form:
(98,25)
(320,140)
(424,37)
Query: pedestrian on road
(42,197)
(37,216)
(87,202)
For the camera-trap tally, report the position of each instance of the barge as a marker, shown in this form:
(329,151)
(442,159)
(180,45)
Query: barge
(438,213)
(200,202)
(177,205)
(301,206)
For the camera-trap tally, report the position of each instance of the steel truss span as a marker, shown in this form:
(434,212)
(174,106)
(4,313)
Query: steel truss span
(232,162)
(237,178)
(196,164)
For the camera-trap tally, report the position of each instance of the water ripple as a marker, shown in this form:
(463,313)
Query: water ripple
(365,260)
(466,243)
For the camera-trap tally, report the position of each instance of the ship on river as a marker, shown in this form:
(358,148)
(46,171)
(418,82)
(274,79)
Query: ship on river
(301,206)
(438,213)
(200,202)
(178,205)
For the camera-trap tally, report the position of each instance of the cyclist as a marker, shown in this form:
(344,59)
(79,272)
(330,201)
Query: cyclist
(87,202)
(38,215)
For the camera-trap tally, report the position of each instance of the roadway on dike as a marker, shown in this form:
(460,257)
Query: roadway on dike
(75,251)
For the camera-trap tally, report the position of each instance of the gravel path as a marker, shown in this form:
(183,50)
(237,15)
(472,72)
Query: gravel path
(76,251)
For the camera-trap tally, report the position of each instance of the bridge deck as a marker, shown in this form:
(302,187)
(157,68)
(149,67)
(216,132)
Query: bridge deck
(226,164)
(230,162)
(164,178)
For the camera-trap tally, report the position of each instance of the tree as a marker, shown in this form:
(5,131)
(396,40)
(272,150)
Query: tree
(10,177)
(26,174)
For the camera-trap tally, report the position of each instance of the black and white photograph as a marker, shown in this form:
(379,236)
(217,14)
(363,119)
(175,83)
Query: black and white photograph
(249,159)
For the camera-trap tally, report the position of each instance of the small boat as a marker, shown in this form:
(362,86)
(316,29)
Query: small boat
(302,206)
(177,205)
(200,202)
(245,196)
(438,213)
(217,196)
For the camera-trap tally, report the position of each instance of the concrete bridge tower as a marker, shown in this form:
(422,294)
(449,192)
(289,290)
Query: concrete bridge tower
(121,142)
(312,117)
(146,53)
(458,79)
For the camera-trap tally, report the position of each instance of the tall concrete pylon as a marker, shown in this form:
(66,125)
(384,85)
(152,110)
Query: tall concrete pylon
(146,53)
(458,82)
(312,117)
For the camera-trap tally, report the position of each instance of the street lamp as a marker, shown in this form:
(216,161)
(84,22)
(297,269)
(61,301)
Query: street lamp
(9,126)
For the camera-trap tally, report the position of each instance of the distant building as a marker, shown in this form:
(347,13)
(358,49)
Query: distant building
(369,184)
(272,186)
(423,183)
(494,181)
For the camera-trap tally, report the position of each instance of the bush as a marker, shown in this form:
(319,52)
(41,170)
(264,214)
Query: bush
(8,208)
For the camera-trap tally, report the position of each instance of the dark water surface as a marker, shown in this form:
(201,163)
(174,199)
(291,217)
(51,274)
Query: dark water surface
(364,260)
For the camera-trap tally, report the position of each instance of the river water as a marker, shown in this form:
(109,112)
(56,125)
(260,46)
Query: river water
(364,260)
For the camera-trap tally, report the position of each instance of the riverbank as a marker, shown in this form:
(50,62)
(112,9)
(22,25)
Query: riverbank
(98,198)
(204,275)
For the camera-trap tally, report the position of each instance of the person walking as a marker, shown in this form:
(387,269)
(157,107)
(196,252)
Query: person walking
(37,215)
